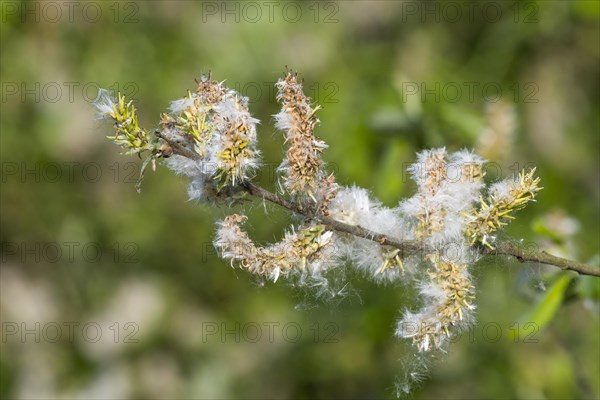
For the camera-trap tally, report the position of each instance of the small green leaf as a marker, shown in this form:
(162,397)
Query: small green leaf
(543,312)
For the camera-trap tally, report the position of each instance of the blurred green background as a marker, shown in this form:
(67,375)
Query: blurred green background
(109,294)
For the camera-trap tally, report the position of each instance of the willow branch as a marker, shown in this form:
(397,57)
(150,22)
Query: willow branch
(542,257)
(407,246)
(177,147)
(412,246)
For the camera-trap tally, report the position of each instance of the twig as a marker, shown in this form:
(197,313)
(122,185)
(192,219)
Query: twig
(411,246)
(523,255)
(177,147)
(408,246)
(405,246)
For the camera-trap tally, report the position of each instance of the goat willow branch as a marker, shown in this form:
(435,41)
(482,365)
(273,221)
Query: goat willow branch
(430,239)
(408,247)
(412,246)
(542,257)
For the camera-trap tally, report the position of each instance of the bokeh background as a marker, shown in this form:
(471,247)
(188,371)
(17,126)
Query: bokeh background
(109,294)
